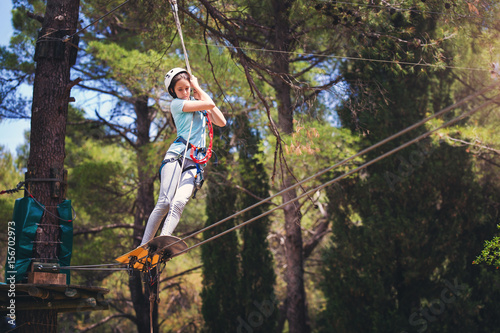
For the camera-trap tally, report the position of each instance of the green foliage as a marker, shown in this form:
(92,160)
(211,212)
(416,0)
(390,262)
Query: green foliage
(16,62)
(491,252)
(100,185)
(9,178)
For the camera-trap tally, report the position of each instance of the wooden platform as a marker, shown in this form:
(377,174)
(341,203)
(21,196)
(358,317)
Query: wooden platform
(63,298)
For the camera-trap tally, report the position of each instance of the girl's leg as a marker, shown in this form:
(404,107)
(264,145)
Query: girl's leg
(170,174)
(180,199)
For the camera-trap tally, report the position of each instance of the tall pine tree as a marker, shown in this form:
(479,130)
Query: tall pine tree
(221,304)
(257,283)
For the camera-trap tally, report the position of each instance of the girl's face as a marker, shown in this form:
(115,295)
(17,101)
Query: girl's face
(182,89)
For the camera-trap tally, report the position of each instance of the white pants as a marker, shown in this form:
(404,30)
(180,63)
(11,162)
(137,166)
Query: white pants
(171,202)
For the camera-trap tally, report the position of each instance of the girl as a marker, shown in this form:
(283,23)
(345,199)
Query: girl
(172,200)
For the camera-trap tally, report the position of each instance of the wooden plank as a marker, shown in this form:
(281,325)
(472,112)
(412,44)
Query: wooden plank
(46,278)
(24,287)
(84,304)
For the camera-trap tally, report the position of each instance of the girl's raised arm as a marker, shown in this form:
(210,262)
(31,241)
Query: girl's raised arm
(204,102)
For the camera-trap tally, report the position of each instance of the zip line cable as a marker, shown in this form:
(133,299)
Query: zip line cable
(99,267)
(395,150)
(85,266)
(344,57)
(391,6)
(67,38)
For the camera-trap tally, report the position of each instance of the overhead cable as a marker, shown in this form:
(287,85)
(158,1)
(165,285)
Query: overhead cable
(421,64)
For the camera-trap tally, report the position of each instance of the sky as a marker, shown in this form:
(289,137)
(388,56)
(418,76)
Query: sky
(11,131)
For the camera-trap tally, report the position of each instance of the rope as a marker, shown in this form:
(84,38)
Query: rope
(19,187)
(173,3)
(451,122)
(44,208)
(362,152)
(175,10)
(49,212)
(99,267)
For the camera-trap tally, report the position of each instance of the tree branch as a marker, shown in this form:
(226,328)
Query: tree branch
(319,232)
(105,320)
(37,17)
(115,128)
(489,161)
(252,195)
(111,93)
(181,274)
(474,144)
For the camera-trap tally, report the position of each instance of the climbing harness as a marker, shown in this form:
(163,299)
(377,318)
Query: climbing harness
(177,158)
(195,153)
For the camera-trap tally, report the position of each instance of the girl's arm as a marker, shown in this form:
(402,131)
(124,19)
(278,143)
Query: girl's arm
(204,102)
(216,117)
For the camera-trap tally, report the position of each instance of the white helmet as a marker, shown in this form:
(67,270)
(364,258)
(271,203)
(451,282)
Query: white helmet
(170,75)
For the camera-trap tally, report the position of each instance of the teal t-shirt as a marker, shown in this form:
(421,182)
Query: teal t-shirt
(183,123)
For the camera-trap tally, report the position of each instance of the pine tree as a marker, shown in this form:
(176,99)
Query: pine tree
(221,263)
(257,273)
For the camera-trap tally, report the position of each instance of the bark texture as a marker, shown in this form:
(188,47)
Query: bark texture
(51,92)
(296,310)
(144,204)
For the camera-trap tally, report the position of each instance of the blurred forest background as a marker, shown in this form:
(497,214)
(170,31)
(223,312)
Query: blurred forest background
(397,247)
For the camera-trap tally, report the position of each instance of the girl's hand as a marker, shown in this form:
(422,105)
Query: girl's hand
(194,82)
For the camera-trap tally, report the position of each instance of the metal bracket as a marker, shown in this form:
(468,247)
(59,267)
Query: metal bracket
(45,267)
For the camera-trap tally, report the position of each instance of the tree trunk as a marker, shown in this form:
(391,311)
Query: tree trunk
(296,296)
(144,204)
(49,112)
(296,299)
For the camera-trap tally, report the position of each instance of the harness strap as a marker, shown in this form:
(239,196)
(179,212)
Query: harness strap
(173,159)
(180,139)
